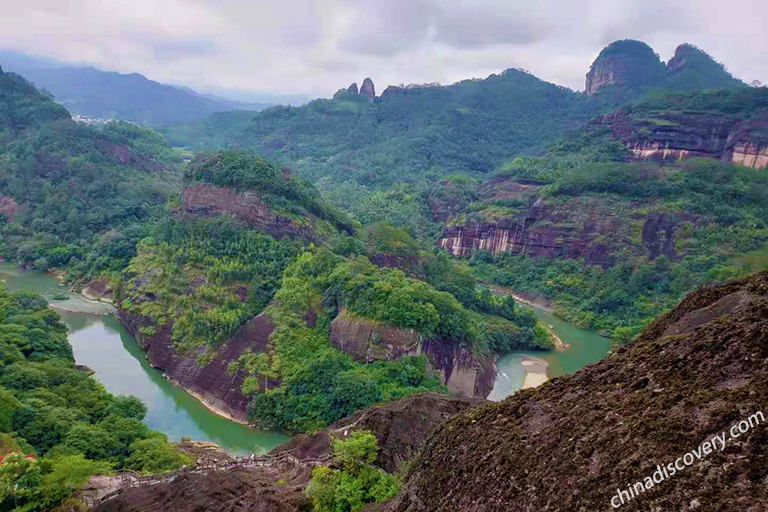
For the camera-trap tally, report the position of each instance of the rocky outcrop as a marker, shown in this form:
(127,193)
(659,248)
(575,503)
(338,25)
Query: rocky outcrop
(592,227)
(570,444)
(367,90)
(211,384)
(206,200)
(8,208)
(353,88)
(625,63)
(99,289)
(674,135)
(401,428)
(368,341)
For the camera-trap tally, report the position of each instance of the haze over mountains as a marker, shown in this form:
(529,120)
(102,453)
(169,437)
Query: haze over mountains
(91,92)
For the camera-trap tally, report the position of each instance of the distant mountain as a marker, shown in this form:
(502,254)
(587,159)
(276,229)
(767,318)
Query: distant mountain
(630,65)
(131,97)
(233,104)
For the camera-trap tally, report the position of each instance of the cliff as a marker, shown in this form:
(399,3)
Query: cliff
(368,341)
(401,428)
(570,444)
(205,200)
(367,90)
(625,63)
(209,383)
(675,135)
(589,227)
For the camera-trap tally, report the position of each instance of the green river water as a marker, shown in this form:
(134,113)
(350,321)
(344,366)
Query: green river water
(586,347)
(101,343)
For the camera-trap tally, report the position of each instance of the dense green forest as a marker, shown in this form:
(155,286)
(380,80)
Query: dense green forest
(58,426)
(406,135)
(319,384)
(719,209)
(83,196)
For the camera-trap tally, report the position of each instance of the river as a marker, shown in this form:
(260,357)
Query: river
(101,343)
(586,347)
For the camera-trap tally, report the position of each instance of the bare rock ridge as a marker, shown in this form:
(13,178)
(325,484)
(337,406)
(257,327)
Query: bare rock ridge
(570,444)
(366,341)
(353,88)
(367,90)
(206,200)
(401,428)
(678,135)
(593,229)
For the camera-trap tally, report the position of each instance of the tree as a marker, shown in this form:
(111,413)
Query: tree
(357,482)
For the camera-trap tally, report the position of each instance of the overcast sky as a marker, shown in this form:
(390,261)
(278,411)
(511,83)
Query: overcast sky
(316,47)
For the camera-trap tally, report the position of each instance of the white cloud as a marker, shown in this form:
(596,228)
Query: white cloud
(316,47)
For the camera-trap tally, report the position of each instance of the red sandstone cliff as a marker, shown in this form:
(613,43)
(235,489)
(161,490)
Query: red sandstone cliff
(246,206)
(592,228)
(210,384)
(367,341)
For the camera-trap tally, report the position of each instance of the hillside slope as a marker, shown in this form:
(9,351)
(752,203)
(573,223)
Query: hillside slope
(64,186)
(570,444)
(127,97)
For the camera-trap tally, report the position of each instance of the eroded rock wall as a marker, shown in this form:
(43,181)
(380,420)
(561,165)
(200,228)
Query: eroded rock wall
(670,136)
(246,206)
(210,383)
(367,341)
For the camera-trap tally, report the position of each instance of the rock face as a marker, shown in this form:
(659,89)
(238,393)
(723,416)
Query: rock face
(592,228)
(679,135)
(368,90)
(210,384)
(99,289)
(368,341)
(570,444)
(8,207)
(353,88)
(401,428)
(626,63)
(246,206)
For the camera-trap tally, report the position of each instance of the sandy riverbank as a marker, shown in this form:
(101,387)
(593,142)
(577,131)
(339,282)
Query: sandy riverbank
(535,372)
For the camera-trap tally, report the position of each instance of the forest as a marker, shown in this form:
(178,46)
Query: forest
(58,425)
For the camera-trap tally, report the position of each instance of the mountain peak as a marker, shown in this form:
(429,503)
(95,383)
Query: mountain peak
(368,90)
(693,68)
(627,62)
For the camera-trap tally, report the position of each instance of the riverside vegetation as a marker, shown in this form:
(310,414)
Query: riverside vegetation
(58,425)
(362,218)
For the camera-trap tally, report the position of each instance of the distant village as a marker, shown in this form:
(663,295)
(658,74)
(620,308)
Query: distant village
(95,121)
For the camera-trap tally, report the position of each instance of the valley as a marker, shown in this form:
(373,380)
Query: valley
(501,279)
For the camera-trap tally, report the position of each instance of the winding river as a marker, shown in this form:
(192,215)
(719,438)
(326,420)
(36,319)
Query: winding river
(586,347)
(101,343)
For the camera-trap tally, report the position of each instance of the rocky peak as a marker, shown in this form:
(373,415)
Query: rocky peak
(368,90)
(353,88)
(628,63)
(693,68)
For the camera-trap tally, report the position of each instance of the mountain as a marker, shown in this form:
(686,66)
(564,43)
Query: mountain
(405,134)
(634,66)
(73,195)
(128,97)
(233,104)
(579,441)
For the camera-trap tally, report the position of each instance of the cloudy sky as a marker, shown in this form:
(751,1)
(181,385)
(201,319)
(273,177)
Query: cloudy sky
(316,47)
